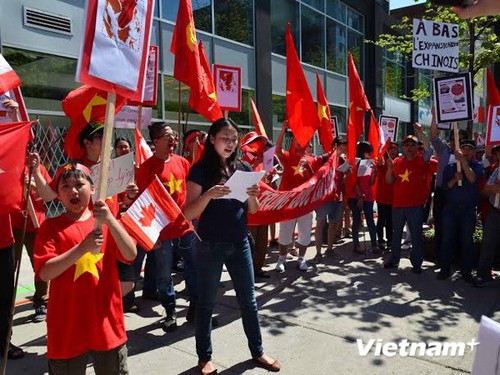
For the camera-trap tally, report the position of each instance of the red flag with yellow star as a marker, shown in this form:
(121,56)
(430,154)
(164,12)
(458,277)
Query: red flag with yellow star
(325,128)
(300,108)
(203,98)
(358,105)
(83,105)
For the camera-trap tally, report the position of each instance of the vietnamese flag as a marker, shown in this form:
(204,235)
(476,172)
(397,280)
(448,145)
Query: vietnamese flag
(325,129)
(375,136)
(257,122)
(358,105)
(83,105)
(8,77)
(184,45)
(14,138)
(152,211)
(492,89)
(301,111)
(202,97)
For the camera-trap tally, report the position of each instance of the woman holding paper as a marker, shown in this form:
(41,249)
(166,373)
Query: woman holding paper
(223,230)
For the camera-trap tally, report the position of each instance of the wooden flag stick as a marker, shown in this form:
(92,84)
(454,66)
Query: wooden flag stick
(226,114)
(139,117)
(457,147)
(107,139)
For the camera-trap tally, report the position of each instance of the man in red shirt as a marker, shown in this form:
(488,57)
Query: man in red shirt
(298,167)
(409,174)
(173,171)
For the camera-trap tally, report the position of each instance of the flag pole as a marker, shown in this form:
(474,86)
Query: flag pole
(226,114)
(457,147)
(179,111)
(139,117)
(106,152)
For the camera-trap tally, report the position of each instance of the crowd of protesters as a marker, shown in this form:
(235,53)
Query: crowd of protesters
(386,193)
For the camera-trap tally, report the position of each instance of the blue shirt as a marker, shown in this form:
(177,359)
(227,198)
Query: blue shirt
(443,152)
(467,195)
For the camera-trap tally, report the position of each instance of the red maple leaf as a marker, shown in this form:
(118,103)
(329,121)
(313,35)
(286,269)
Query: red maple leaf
(148,215)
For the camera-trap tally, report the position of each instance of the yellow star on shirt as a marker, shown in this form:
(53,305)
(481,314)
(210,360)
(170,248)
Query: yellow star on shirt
(298,170)
(87,263)
(174,184)
(405,176)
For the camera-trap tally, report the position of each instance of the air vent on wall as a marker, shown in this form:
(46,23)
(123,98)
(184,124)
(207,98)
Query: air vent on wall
(47,21)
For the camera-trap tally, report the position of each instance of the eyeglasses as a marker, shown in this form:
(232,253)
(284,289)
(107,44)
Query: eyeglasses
(169,136)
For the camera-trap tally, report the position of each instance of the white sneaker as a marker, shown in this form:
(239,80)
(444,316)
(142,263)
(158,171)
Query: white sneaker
(280,266)
(302,265)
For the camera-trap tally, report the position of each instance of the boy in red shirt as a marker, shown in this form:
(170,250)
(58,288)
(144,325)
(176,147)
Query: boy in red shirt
(84,314)
(408,173)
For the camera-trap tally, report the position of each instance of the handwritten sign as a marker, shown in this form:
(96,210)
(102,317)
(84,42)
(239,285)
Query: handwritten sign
(389,125)
(435,45)
(127,117)
(227,80)
(121,174)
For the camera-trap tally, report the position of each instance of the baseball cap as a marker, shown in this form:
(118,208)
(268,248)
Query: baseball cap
(468,143)
(410,138)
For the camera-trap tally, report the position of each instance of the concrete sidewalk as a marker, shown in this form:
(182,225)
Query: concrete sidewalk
(310,321)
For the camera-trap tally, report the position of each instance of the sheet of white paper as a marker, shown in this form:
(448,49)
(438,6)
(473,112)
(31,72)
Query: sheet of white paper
(344,167)
(365,167)
(487,359)
(452,159)
(239,182)
(268,159)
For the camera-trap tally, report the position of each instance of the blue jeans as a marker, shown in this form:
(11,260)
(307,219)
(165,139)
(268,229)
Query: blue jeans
(458,226)
(356,221)
(490,245)
(238,259)
(185,247)
(414,216)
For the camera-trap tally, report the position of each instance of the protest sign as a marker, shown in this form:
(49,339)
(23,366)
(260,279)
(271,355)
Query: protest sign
(453,98)
(493,125)
(227,81)
(268,159)
(444,126)
(487,359)
(151,82)
(128,116)
(389,125)
(365,167)
(120,175)
(17,96)
(435,45)
(335,126)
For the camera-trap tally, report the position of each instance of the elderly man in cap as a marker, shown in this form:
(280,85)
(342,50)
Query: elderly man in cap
(408,173)
(459,212)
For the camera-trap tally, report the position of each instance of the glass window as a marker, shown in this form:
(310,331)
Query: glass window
(47,79)
(244,117)
(341,113)
(157,9)
(394,75)
(282,12)
(355,46)
(318,4)
(336,44)
(279,110)
(355,20)
(337,10)
(202,12)
(313,46)
(234,20)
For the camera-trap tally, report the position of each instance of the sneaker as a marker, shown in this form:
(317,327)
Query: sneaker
(302,265)
(280,266)
(294,252)
(170,322)
(406,246)
(318,258)
(40,314)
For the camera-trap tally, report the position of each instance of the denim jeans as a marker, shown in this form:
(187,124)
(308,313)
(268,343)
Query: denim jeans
(6,290)
(356,221)
(185,246)
(238,259)
(458,225)
(490,245)
(414,217)
(384,221)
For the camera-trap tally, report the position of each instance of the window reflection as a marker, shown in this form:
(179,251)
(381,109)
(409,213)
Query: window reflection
(355,46)
(394,75)
(355,20)
(234,20)
(341,114)
(282,12)
(313,46)
(202,12)
(336,9)
(336,44)
(318,4)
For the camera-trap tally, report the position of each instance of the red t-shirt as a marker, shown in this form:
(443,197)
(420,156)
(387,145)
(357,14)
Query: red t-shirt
(294,176)
(173,173)
(411,181)
(384,191)
(17,217)
(6,236)
(85,307)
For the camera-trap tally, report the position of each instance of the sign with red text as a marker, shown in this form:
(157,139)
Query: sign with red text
(389,125)
(121,174)
(227,80)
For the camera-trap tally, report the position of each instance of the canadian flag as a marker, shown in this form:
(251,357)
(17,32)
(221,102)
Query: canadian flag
(149,214)
(142,149)
(8,78)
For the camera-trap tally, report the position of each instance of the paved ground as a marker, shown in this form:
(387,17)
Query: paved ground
(310,321)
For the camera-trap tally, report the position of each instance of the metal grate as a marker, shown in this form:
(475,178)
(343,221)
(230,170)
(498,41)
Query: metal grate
(47,21)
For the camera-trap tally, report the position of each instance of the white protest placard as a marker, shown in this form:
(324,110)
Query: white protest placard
(444,126)
(487,359)
(453,98)
(127,117)
(121,174)
(493,125)
(365,167)
(268,159)
(227,81)
(435,45)
(239,182)
(389,125)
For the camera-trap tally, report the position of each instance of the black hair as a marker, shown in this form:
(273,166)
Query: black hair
(76,174)
(90,131)
(211,160)
(462,134)
(119,139)
(156,129)
(362,148)
(339,141)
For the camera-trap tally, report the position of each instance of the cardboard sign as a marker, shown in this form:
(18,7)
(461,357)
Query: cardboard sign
(487,359)
(121,174)
(453,98)
(435,45)
(227,80)
(493,125)
(128,115)
(335,126)
(389,126)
